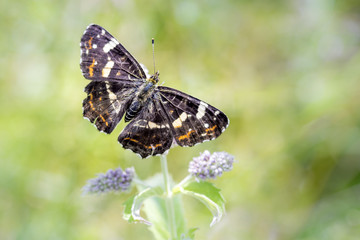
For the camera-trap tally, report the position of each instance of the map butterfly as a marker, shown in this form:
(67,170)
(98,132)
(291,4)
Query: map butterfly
(159,117)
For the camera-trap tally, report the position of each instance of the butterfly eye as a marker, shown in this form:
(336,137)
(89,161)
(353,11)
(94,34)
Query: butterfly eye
(155,78)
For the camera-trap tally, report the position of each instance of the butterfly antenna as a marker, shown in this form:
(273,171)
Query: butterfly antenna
(153,48)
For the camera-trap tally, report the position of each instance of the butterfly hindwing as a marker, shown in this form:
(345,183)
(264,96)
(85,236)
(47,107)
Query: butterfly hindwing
(148,134)
(104,58)
(193,121)
(107,102)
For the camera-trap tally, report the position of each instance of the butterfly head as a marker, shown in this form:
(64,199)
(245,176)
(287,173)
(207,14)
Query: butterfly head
(154,78)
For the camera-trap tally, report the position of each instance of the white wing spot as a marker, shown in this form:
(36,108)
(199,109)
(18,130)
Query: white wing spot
(201,110)
(153,125)
(102,32)
(217,112)
(183,116)
(94,46)
(113,97)
(206,125)
(110,45)
(178,122)
(107,69)
(115,41)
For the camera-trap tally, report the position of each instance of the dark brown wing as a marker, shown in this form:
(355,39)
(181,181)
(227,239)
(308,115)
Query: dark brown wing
(149,133)
(192,121)
(107,102)
(172,117)
(104,58)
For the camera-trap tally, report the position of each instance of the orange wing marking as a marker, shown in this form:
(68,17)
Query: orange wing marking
(149,147)
(91,68)
(102,118)
(186,136)
(133,140)
(90,102)
(89,43)
(91,105)
(211,129)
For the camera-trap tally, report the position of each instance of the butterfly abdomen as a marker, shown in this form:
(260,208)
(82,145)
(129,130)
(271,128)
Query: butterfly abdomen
(133,110)
(142,98)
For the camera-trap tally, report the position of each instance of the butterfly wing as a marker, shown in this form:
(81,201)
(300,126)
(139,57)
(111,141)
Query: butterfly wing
(107,102)
(192,121)
(172,117)
(115,74)
(149,133)
(104,58)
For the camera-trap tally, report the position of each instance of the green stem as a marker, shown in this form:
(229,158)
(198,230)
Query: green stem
(179,186)
(168,200)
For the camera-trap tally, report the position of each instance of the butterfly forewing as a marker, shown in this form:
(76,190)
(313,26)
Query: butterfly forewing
(103,57)
(192,120)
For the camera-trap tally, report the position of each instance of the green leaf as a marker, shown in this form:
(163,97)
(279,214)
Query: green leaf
(155,209)
(190,234)
(209,195)
(127,210)
(133,205)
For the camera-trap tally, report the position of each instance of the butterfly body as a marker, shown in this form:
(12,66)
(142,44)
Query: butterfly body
(159,117)
(143,96)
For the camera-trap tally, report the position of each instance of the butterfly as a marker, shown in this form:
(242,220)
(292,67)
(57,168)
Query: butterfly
(159,117)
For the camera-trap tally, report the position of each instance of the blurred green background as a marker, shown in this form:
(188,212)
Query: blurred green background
(287,74)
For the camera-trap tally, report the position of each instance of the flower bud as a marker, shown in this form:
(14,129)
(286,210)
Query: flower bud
(209,165)
(112,181)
